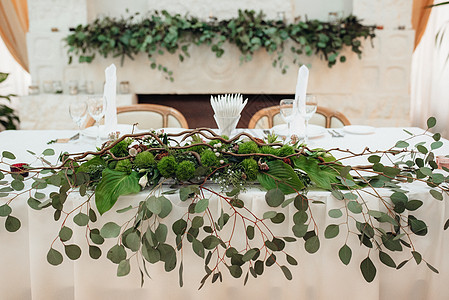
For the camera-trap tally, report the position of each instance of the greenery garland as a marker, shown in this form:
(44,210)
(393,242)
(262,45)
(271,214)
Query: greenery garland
(287,171)
(249,32)
(8,117)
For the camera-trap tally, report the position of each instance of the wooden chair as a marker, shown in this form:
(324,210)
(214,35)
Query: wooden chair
(149,116)
(270,116)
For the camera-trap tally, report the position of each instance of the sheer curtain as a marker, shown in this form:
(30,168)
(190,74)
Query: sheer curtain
(430,74)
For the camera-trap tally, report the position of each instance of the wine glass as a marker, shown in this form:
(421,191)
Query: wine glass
(287,110)
(97,109)
(306,110)
(78,113)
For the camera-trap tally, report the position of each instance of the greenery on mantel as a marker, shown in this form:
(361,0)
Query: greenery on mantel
(8,117)
(185,170)
(162,32)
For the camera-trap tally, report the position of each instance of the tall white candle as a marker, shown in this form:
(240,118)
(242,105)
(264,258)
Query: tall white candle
(300,99)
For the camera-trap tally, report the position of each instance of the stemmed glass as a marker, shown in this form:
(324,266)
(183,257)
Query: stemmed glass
(78,113)
(307,111)
(288,110)
(97,109)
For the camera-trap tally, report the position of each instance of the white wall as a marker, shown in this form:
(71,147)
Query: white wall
(374,90)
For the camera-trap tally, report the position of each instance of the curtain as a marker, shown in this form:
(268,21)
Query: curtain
(420,16)
(13,29)
(430,74)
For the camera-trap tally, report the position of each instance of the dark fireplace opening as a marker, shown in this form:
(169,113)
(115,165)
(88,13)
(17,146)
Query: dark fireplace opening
(197,110)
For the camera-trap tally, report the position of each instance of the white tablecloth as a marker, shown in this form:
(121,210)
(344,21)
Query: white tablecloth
(25,273)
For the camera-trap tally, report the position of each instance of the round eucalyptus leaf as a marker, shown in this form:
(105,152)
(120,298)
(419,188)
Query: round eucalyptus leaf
(300,230)
(279,218)
(201,205)
(300,217)
(249,254)
(331,231)
(72,251)
(431,122)
(17,185)
(116,254)
(5,210)
(94,252)
(198,248)
(12,224)
(197,222)
(34,203)
(258,267)
(250,232)
(335,213)
(9,155)
(151,254)
(312,244)
(65,234)
(123,268)
(355,207)
(274,197)
(48,152)
(54,257)
(236,271)
(81,219)
(154,204)
(96,237)
(133,241)
(179,227)
(161,233)
(269,214)
(110,230)
(92,215)
(166,207)
(301,203)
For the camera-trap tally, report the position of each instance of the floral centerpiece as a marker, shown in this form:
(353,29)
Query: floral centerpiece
(201,167)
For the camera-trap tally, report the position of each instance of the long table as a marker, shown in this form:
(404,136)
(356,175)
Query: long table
(25,273)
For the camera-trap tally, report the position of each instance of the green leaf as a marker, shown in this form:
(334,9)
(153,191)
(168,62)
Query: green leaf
(250,254)
(112,185)
(198,248)
(110,230)
(355,207)
(431,122)
(436,194)
(161,233)
(179,227)
(250,232)
(123,268)
(345,254)
(12,224)
(124,209)
(236,271)
(402,144)
(312,244)
(8,155)
(413,205)
(323,176)
(133,241)
(197,222)
(48,152)
(72,251)
(417,256)
(278,218)
(368,269)
(94,252)
(291,260)
(386,259)
(274,197)
(436,145)
(17,185)
(166,207)
(201,205)
(81,219)
(54,257)
(269,214)
(300,230)
(282,176)
(335,213)
(154,204)
(331,231)
(5,210)
(65,234)
(432,268)
(286,272)
(210,242)
(116,254)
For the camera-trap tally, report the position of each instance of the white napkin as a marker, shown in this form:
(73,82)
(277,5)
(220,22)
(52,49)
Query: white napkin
(110,88)
(298,124)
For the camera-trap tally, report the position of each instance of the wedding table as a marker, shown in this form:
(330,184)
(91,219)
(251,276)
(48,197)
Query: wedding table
(25,273)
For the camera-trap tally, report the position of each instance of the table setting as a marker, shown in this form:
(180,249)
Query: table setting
(295,211)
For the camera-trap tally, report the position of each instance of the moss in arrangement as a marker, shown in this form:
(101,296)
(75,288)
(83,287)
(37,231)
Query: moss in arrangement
(286,150)
(144,160)
(124,166)
(251,168)
(167,166)
(121,148)
(209,158)
(269,150)
(185,170)
(248,148)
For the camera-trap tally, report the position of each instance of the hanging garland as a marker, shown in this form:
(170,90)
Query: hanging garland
(249,32)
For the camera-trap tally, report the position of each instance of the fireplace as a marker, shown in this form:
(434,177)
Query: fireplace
(197,109)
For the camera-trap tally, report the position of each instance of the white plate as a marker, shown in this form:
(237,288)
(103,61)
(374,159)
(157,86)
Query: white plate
(122,128)
(359,129)
(313,130)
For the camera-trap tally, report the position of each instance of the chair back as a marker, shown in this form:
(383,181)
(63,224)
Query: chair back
(270,116)
(149,116)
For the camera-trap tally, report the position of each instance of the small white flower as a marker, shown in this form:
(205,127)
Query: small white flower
(217,145)
(217,154)
(143,181)
(221,161)
(133,151)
